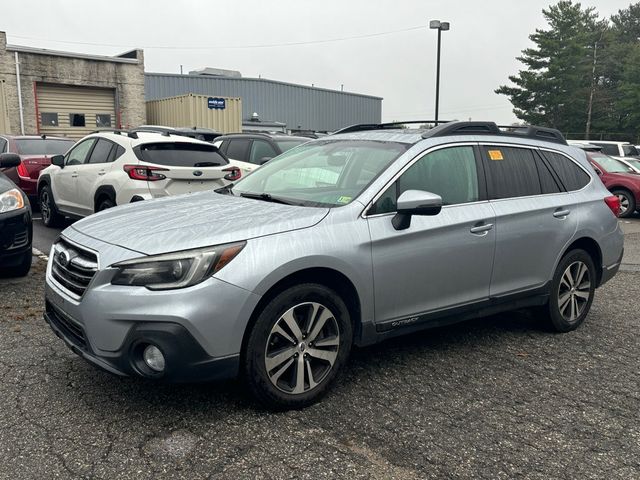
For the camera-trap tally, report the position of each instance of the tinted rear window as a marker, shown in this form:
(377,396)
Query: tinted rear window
(570,174)
(608,148)
(180,154)
(630,151)
(39,146)
(512,172)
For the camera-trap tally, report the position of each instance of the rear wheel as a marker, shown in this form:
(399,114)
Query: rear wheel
(297,346)
(104,204)
(572,291)
(627,202)
(48,209)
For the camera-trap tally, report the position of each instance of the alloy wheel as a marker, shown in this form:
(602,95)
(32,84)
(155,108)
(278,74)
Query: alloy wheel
(45,208)
(624,203)
(302,348)
(575,291)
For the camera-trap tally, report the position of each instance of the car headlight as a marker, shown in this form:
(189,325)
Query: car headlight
(11,200)
(175,270)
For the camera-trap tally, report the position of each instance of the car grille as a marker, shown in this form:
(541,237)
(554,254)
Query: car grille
(73,267)
(20,239)
(67,326)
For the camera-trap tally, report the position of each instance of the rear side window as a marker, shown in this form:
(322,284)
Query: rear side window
(608,148)
(238,149)
(571,175)
(40,146)
(548,182)
(180,154)
(512,172)
(101,152)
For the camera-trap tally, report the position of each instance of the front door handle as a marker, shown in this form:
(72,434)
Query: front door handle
(561,213)
(74,174)
(481,229)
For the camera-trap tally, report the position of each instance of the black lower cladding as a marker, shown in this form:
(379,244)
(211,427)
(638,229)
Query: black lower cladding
(185,359)
(15,236)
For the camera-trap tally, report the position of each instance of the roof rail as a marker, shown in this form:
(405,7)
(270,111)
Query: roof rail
(119,131)
(362,127)
(491,128)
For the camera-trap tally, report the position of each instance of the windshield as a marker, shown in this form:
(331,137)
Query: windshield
(288,144)
(39,146)
(180,154)
(323,172)
(611,165)
(630,151)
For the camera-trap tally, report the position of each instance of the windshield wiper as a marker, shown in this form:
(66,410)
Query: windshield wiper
(267,197)
(227,189)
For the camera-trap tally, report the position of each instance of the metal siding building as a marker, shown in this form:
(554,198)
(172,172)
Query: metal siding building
(299,106)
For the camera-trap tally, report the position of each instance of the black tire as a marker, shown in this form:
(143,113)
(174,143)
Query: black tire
(22,269)
(298,299)
(48,209)
(626,197)
(104,204)
(559,308)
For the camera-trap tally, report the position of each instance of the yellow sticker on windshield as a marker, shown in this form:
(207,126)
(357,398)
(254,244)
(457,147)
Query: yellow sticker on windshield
(344,199)
(495,155)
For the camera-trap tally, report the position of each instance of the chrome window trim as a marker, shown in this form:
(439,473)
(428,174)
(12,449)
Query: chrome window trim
(409,164)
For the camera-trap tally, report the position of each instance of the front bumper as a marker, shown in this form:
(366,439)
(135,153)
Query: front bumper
(15,236)
(199,329)
(186,361)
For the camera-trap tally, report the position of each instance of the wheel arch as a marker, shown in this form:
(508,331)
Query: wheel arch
(103,191)
(328,277)
(43,180)
(590,246)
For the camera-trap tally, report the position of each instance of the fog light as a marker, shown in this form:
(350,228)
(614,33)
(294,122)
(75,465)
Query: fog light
(153,358)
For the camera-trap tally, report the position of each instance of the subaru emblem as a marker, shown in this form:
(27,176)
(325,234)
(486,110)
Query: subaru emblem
(197,173)
(64,258)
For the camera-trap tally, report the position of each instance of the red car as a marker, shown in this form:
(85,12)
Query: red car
(619,180)
(35,154)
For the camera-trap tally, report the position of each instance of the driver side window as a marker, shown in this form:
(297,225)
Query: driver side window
(448,172)
(78,154)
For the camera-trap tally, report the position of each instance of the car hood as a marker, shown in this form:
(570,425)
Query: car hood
(193,221)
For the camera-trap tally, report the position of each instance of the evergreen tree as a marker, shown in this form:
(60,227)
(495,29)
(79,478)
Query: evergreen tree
(556,87)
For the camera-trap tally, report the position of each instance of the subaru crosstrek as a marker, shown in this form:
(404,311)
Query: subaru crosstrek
(351,239)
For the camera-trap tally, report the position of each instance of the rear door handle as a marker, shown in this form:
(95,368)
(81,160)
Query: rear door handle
(561,213)
(101,172)
(481,229)
(74,174)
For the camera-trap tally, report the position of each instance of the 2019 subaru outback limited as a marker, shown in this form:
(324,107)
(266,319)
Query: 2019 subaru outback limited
(351,239)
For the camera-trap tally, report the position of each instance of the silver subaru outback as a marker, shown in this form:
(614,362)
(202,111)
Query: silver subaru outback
(374,232)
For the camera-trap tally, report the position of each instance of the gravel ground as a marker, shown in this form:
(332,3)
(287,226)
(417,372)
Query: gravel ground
(493,398)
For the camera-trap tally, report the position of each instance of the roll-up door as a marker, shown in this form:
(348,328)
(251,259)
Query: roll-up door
(74,111)
(4,114)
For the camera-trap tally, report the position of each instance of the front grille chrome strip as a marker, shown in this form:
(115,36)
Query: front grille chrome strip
(73,267)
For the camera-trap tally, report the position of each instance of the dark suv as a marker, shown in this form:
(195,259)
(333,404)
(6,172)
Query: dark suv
(250,150)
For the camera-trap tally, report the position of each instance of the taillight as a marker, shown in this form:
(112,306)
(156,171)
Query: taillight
(234,173)
(613,203)
(22,171)
(147,174)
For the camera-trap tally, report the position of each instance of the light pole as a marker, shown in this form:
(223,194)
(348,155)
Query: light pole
(440,26)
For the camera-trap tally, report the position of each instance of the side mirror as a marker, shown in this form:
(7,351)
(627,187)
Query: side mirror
(58,161)
(264,160)
(415,202)
(9,160)
(598,171)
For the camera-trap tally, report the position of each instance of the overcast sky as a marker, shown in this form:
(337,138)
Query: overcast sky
(478,53)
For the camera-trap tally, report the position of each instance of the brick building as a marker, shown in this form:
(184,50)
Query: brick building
(71,94)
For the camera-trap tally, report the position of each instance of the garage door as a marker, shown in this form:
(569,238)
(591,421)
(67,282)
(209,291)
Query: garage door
(74,111)
(4,114)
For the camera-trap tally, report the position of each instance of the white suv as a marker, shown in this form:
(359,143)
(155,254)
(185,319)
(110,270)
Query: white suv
(113,168)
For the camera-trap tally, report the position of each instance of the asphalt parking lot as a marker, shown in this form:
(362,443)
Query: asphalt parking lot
(492,398)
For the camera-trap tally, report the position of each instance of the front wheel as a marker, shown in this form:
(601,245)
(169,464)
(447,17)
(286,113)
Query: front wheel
(572,291)
(296,348)
(49,211)
(627,202)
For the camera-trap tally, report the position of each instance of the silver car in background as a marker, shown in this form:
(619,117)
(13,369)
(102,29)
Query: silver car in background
(354,238)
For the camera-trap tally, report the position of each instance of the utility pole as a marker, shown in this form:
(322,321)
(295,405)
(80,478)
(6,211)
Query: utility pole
(592,91)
